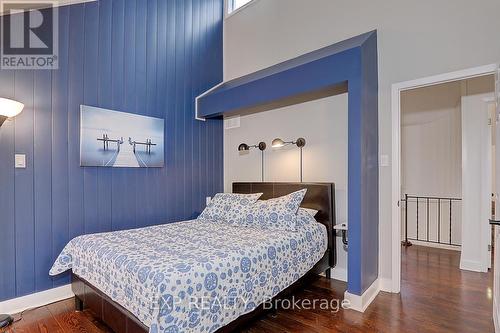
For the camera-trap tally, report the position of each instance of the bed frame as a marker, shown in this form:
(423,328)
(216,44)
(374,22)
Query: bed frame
(319,196)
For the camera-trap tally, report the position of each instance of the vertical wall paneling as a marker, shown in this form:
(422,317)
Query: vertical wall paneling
(150,105)
(215,125)
(179,94)
(24,213)
(42,178)
(140,105)
(60,189)
(218,125)
(208,144)
(7,193)
(170,114)
(129,99)
(195,174)
(204,144)
(212,146)
(161,105)
(120,196)
(75,97)
(195,165)
(90,97)
(104,99)
(188,119)
(149,57)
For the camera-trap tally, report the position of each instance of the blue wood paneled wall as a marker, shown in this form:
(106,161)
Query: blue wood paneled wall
(149,57)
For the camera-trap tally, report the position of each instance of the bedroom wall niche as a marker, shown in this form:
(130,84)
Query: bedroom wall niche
(350,66)
(143,57)
(323,123)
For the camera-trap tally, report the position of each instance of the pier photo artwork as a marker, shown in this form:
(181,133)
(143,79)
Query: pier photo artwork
(118,139)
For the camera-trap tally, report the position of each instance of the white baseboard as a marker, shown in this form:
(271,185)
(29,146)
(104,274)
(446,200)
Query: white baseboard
(360,303)
(495,316)
(470,265)
(385,285)
(437,246)
(19,304)
(339,273)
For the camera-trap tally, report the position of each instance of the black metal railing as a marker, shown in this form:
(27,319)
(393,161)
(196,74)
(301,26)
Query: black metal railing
(442,203)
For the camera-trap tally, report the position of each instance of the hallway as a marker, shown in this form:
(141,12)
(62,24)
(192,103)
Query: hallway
(438,297)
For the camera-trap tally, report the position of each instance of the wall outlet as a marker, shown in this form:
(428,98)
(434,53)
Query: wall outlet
(207,200)
(20,161)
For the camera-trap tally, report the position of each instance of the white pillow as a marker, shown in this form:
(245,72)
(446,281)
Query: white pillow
(225,205)
(305,217)
(277,213)
(310,211)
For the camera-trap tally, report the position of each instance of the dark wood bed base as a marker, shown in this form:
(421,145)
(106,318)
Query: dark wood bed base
(319,196)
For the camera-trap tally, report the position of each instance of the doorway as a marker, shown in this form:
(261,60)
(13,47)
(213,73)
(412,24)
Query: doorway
(470,186)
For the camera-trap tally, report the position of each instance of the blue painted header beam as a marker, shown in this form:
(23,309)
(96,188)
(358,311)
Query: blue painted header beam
(352,63)
(317,70)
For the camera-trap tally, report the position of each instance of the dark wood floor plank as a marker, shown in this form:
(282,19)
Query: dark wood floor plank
(46,323)
(436,296)
(70,320)
(36,321)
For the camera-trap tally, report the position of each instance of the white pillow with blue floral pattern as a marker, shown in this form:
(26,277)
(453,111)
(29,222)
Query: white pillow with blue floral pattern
(305,216)
(224,206)
(277,213)
(309,211)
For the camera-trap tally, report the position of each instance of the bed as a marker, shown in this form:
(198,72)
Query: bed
(199,276)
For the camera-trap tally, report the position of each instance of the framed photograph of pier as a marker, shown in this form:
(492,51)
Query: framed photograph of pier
(117,139)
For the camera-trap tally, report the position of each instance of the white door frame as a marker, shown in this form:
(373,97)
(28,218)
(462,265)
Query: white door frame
(397,88)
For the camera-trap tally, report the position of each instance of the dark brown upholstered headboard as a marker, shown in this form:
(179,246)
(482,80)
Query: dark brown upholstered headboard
(319,196)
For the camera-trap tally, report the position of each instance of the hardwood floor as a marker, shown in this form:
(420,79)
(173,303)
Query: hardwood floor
(436,297)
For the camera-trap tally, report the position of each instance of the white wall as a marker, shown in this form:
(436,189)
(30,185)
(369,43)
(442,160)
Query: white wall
(431,160)
(323,123)
(415,39)
(431,150)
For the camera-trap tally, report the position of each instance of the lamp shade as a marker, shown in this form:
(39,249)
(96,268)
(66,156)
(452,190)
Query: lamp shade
(277,143)
(10,108)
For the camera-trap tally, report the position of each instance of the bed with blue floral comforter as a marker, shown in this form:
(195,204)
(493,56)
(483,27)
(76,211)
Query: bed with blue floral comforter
(193,276)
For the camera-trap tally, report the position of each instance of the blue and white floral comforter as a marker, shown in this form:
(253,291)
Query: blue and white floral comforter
(193,276)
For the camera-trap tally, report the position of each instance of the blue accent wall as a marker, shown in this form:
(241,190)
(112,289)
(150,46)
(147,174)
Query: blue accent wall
(351,63)
(149,57)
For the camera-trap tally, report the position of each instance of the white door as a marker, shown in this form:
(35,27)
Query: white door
(496,274)
(476,181)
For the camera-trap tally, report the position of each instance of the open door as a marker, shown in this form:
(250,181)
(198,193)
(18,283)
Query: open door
(478,106)
(496,218)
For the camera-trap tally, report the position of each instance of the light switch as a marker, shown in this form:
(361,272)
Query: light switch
(20,161)
(384,160)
